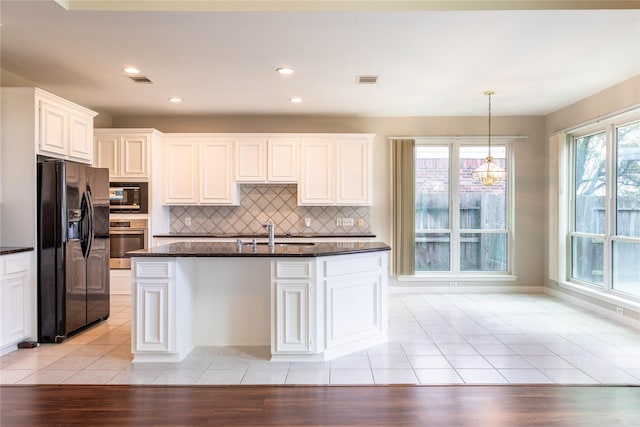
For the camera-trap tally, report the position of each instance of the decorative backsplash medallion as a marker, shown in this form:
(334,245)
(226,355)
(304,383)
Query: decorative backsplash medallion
(258,203)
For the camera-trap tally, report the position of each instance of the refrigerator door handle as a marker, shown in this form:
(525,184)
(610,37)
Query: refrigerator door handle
(90,222)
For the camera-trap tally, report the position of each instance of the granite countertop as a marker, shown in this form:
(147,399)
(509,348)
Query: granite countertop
(219,249)
(7,250)
(264,236)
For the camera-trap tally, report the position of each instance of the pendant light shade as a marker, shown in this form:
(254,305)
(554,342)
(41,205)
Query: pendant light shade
(489,173)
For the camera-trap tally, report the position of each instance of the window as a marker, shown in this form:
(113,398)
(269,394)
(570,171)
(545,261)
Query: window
(605,222)
(461,225)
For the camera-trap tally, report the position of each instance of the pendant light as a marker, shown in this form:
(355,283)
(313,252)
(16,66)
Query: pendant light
(489,173)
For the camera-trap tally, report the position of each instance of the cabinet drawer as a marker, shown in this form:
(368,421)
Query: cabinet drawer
(351,265)
(293,270)
(153,269)
(14,263)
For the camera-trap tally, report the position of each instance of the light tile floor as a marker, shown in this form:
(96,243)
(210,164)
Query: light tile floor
(433,339)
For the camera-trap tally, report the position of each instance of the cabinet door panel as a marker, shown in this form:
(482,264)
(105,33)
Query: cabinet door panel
(353,172)
(251,164)
(181,172)
(153,311)
(80,137)
(53,128)
(316,179)
(14,317)
(216,175)
(107,154)
(134,159)
(283,160)
(292,317)
(353,308)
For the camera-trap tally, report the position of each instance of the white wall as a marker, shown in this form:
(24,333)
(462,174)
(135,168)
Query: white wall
(530,200)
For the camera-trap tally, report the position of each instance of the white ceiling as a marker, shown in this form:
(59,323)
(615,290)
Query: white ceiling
(429,62)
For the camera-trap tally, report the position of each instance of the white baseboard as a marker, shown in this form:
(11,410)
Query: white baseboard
(593,307)
(465,289)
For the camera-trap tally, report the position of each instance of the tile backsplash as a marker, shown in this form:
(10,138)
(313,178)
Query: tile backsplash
(258,203)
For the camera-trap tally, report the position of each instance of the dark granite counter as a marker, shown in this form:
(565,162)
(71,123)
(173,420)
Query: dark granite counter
(218,249)
(263,236)
(7,250)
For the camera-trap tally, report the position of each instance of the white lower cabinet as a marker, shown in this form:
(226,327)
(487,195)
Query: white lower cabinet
(154,317)
(293,307)
(14,300)
(328,306)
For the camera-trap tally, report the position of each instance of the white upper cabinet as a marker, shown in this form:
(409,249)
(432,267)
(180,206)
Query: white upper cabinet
(353,168)
(282,160)
(64,129)
(53,128)
(134,156)
(199,171)
(336,171)
(107,153)
(80,136)
(205,169)
(181,172)
(316,186)
(217,185)
(251,160)
(266,160)
(126,155)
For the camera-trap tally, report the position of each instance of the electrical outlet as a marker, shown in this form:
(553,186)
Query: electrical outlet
(187,221)
(452,284)
(339,222)
(347,222)
(620,311)
(360,222)
(307,222)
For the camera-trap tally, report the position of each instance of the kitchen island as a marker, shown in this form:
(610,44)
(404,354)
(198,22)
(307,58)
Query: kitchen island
(308,301)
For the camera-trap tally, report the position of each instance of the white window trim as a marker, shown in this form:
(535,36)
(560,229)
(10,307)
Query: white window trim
(562,175)
(473,276)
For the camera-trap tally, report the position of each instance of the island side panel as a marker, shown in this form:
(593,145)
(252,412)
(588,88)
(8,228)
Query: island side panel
(355,302)
(232,301)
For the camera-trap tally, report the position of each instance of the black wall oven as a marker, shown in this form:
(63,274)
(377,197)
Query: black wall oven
(129,197)
(126,235)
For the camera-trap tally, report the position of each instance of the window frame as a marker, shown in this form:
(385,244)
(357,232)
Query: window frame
(455,232)
(609,128)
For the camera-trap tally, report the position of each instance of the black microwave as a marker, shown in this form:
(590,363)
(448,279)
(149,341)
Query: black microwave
(129,197)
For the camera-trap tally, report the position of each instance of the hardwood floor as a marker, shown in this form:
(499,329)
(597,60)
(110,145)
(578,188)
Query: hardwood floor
(449,406)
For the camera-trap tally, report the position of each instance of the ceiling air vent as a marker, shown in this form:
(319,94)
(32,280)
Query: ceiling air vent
(141,79)
(366,80)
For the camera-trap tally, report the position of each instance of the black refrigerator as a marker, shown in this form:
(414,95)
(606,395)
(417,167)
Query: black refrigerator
(73,248)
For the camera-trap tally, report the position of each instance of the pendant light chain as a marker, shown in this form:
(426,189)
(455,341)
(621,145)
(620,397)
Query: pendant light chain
(489,93)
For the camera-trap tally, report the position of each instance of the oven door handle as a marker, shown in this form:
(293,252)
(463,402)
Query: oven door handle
(139,231)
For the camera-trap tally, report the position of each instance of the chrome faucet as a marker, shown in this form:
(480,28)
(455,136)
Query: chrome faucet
(270,230)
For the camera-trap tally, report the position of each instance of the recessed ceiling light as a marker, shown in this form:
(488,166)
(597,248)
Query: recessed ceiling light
(285,70)
(295,100)
(131,70)
(175,99)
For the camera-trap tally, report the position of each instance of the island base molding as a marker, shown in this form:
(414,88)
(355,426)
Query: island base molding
(304,308)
